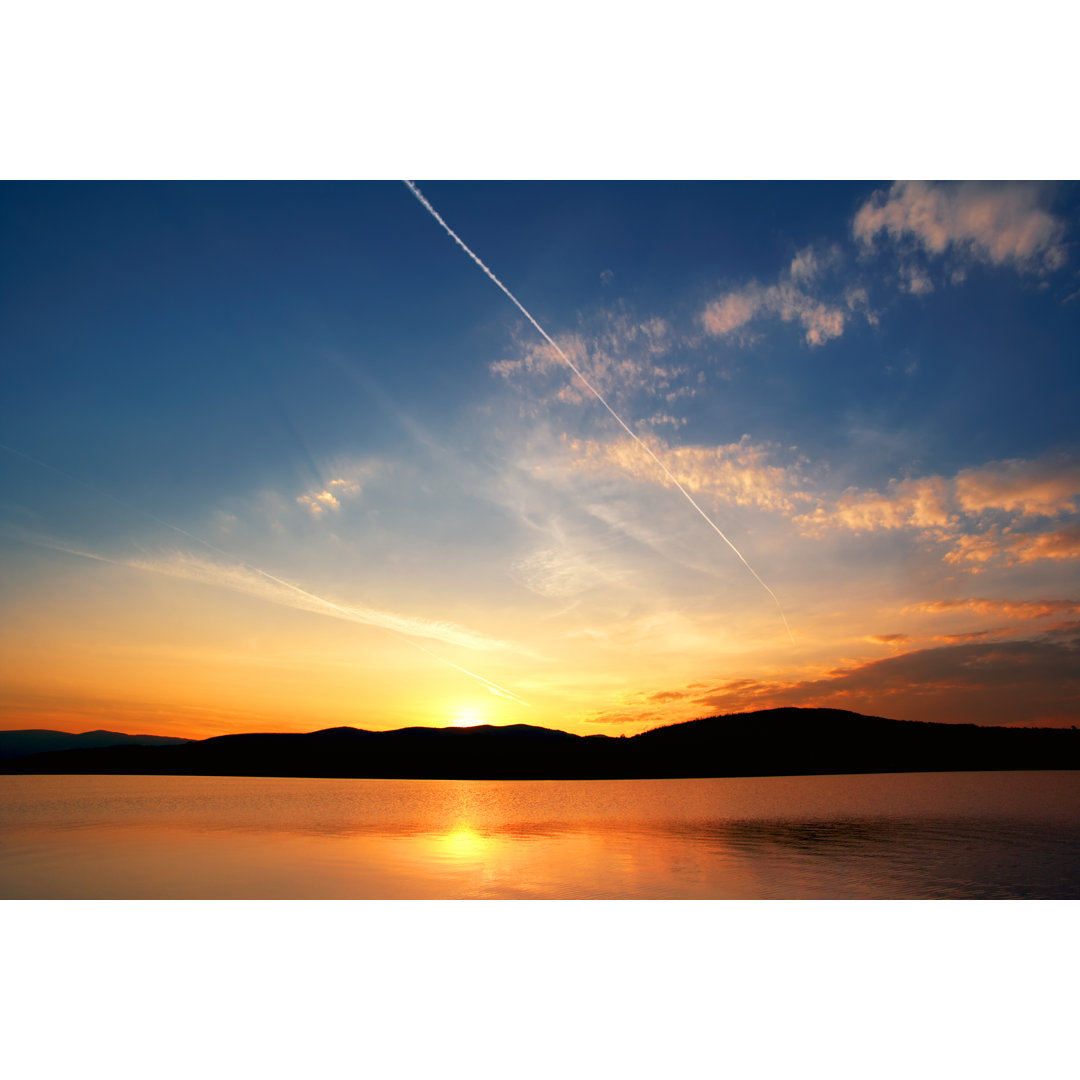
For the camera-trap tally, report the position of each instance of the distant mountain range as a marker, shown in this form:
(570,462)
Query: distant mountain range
(773,742)
(15,744)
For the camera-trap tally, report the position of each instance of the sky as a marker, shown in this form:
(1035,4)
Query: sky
(281,456)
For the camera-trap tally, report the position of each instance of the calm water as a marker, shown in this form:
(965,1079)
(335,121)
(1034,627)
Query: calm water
(918,835)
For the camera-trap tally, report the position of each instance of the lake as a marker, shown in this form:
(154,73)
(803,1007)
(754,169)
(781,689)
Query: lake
(982,835)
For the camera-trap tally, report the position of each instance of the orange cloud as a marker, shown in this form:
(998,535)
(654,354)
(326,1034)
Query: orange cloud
(1014,609)
(1015,549)
(319,501)
(1028,682)
(345,485)
(738,473)
(978,635)
(1062,544)
(994,223)
(1045,487)
(920,503)
(976,550)
(945,510)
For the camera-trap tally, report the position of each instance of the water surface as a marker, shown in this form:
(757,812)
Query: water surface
(914,835)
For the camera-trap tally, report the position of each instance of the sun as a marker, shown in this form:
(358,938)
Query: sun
(467,717)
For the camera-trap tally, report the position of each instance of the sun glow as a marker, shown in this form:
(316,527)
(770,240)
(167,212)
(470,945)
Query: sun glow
(467,717)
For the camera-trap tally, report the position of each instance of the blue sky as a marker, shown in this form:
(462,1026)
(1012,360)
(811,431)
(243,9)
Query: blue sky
(279,454)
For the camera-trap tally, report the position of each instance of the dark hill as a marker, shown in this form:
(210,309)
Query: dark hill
(774,742)
(15,744)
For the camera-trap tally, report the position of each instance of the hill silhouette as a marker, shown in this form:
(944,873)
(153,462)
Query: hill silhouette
(15,744)
(772,742)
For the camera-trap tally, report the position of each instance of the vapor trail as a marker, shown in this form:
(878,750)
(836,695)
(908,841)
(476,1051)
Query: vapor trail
(596,394)
(313,603)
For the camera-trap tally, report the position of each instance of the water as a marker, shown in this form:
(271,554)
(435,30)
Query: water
(917,835)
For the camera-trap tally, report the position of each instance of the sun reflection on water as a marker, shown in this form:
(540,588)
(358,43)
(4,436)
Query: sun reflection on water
(462,842)
(803,837)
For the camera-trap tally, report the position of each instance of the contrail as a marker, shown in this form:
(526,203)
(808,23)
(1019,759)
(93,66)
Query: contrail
(311,602)
(596,394)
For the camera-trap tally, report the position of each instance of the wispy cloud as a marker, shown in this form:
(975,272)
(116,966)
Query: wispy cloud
(1015,549)
(995,223)
(318,501)
(738,474)
(955,510)
(790,300)
(564,571)
(596,393)
(259,584)
(919,503)
(621,355)
(1049,486)
(1035,681)
(1012,609)
(914,280)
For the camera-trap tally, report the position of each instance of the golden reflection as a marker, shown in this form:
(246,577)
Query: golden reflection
(462,842)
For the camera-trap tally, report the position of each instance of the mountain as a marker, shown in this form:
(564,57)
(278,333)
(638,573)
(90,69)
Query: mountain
(773,742)
(14,744)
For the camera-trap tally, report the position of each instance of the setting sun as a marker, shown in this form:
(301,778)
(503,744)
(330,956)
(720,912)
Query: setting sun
(467,717)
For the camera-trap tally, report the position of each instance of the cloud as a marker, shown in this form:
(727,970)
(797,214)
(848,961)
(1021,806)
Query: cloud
(343,487)
(919,503)
(732,311)
(805,266)
(561,572)
(1045,487)
(915,281)
(1061,544)
(1013,609)
(996,223)
(640,718)
(858,299)
(794,298)
(1034,681)
(952,510)
(253,582)
(619,353)
(1015,549)
(889,639)
(319,501)
(976,635)
(740,474)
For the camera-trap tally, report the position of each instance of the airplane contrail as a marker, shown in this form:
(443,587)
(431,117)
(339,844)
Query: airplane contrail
(305,600)
(596,394)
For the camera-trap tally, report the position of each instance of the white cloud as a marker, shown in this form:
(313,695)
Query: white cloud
(251,581)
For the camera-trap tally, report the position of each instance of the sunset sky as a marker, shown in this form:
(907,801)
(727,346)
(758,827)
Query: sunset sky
(282,457)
